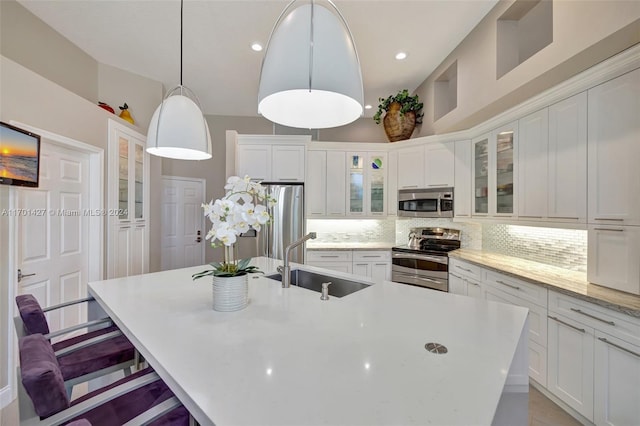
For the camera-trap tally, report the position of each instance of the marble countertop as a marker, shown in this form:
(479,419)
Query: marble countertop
(339,245)
(564,281)
(290,358)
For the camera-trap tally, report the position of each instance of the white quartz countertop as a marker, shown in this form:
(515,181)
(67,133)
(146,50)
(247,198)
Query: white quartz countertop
(291,359)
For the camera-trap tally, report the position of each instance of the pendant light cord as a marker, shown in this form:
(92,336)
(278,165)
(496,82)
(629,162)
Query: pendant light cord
(181,19)
(311,47)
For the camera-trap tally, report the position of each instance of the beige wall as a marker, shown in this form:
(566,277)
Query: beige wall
(30,42)
(584,34)
(142,95)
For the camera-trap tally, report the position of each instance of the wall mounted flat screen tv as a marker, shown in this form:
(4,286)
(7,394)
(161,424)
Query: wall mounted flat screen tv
(19,156)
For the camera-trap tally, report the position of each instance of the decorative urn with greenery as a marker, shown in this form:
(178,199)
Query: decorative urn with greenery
(243,207)
(402,113)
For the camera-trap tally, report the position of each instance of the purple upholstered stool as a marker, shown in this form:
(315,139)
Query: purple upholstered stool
(141,396)
(83,357)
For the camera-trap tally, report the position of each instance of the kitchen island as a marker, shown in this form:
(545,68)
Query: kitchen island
(291,358)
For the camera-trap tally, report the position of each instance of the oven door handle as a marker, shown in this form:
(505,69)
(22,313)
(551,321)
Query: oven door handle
(420,278)
(438,259)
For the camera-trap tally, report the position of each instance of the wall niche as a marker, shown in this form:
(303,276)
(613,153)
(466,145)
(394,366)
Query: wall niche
(445,92)
(522,31)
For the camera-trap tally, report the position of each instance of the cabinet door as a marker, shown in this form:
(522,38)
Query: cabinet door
(613,257)
(119,264)
(362,268)
(254,161)
(613,150)
(538,363)
(376,183)
(138,262)
(533,133)
(480,149)
(333,266)
(355,184)
(502,191)
(336,183)
(567,198)
(474,289)
(462,179)
(123,178)
(316,183)
(287,163)
(570,363)
(411,168)
(439,165)
(139,184)
(381,271)
(617,379)
(457,285)
(392,187)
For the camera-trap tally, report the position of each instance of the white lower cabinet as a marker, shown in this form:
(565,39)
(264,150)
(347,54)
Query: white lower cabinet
(375,264)
(617,381)
(570,363)
(335,260)
(594,360)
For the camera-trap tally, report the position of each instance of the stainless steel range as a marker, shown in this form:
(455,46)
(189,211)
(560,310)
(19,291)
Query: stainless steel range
(424,260)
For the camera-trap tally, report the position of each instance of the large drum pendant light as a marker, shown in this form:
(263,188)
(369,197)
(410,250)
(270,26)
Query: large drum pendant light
(178,128)
(310,75)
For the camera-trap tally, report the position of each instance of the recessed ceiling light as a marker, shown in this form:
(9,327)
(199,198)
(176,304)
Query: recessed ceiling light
(367,106)
(401,55)
(256,46)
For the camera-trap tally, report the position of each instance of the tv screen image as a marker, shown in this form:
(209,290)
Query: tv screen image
(19,156)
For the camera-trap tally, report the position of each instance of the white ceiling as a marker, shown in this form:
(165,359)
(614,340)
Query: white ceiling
(142,36)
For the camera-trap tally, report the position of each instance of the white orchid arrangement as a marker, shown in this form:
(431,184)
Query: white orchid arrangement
(243,207)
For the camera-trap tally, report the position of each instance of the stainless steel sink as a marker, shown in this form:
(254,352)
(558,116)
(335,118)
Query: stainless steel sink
(310,280)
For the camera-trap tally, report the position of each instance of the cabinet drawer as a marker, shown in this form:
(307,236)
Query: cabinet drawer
(466,269)
(371,255)
(603,319)
(531,292)
(329,255)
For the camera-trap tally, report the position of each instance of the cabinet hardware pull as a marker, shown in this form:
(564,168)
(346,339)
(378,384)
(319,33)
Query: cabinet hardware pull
(604,218)
(508,285)
(581,330)
(532,217)
(591,316)
(609,229)
(437,184)
(454,275)
(472,282)
(619,347)
(370,255)
(288,178)
(464,269)
(410,186)
(564,217)
(328,256)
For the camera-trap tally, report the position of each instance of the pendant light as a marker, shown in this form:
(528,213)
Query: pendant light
(310,76)
(178,128)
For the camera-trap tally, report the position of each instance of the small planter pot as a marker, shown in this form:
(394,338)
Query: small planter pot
(230,293)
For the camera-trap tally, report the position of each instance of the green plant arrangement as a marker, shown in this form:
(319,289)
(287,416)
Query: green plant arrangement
(222,269)
(407,104)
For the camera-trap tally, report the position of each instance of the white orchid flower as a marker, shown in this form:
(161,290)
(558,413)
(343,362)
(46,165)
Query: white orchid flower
(261,214)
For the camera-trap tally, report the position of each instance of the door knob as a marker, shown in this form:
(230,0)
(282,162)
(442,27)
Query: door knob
(21,275)
(199,233)
(199,239)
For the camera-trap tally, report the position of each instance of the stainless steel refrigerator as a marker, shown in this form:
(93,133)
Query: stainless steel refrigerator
(286,226)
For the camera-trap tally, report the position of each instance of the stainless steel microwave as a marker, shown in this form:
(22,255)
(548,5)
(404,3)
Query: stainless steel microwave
(425,202)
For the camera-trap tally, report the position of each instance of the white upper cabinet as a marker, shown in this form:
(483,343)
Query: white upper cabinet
(462,179)
(366,184)
(254,161)
(613,257)
(271,158)
(480,175)
(532,160)
(392,196)
(316,184)
(411,167)
(439,161)
(503,191)
(567,195)
(614,151)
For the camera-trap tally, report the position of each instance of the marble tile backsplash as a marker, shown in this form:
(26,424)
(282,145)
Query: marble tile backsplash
(565,248)
(353,231)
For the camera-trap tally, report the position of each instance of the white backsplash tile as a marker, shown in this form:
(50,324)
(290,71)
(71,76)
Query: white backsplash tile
(565,248)
(353,230)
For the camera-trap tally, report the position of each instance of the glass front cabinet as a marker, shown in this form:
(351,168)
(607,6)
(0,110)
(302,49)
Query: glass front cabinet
(493,172)
(128,202)
(366,183)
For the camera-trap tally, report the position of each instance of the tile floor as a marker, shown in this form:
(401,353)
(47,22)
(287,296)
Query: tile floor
(544,412)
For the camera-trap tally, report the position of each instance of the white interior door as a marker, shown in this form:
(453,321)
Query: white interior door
(53,233)
(183,228)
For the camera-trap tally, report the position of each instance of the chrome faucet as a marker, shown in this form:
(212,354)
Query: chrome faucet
(285,269)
